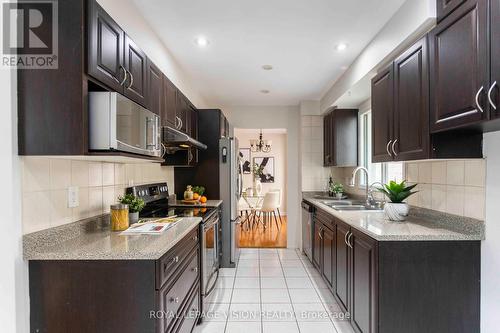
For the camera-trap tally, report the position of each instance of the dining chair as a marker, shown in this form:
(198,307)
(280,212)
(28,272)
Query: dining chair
(268,208)
(279,203)
(243,209)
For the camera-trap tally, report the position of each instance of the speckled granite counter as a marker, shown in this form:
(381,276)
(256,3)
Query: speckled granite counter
(209,203)
(421,225)
(92,239)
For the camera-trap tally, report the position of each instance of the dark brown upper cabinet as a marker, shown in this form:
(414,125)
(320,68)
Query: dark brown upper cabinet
(105,48)
(340,135)
(168,115)
(459,74)
(136,66)
(400,107)
(445,7)
(154,88)
(411,104)
(182,112)
(382,114)
(494,90)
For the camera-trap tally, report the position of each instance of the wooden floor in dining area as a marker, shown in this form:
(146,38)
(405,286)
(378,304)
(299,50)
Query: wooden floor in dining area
(269,237)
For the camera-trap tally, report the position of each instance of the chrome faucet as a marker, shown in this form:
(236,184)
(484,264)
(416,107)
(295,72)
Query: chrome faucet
(353,183)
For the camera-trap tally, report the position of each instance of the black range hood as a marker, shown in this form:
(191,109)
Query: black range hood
(174,139)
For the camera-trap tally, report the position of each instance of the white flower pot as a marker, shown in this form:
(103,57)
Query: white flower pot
(339,196)
(133,218)
(396,211)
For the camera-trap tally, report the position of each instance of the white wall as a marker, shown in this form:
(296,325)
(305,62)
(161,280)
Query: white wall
(129,18)
(278,152)
(490,249)
(287,117)
(413,19)
(14,306)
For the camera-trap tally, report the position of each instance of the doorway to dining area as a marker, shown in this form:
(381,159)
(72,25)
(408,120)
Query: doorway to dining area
(263,204)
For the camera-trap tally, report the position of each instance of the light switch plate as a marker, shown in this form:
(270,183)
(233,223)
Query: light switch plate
(73,197)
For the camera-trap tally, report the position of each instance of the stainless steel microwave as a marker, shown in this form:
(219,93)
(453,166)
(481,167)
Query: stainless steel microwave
(117,123)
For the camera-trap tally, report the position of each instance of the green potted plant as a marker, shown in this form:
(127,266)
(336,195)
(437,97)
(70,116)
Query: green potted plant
(338,190)
(135,205)
(397,210)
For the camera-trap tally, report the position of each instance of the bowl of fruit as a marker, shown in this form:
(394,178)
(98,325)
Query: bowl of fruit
(198,196)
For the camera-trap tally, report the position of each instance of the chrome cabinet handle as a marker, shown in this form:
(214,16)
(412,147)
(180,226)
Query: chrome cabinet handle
(477,99)
(319,233)
(163,150)
(194,269)
(131,80)
(387,148)
(345,238)
(124,75)
(393,147)
(175,259)
(489,95)
(349,240)
(195,238)
(174,299)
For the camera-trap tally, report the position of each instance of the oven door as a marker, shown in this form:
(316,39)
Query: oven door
(210,260)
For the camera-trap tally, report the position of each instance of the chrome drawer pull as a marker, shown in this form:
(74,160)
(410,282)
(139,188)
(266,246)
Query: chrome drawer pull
(174,300)
(175,259)
(194,269)
(349,240)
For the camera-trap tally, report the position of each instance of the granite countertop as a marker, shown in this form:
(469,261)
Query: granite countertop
(421,225)
(92,239)
(209,203)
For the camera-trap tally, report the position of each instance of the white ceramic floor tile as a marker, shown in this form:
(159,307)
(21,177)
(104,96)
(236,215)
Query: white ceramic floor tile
(268,251)
(291,263)
(277,312)
(244,312)
(272,282)
(303,296)
(318,282)
(311,312)
(266,256)
(326,296)
(216,311)
(249,250)
(225,282)
(287,254)
(270,263)
(245,296)
(299,283)
(248,263)
(247,272)
(280,327)
(240,327)
(316,327)
(210,327)
(250,255)
(271,272)
(247,283)
(227,271)
(220,296)
(295,272)
(275,296)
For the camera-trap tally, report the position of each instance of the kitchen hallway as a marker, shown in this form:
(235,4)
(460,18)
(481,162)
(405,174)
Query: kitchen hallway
(272,290)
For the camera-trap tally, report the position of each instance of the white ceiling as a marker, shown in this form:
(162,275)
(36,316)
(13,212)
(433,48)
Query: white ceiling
(296,37)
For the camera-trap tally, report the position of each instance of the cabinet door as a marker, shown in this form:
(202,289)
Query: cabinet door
(342,266)
(382,115)
(411,104)
(459,68)
(193,122)
(495,58)
(445,7)
(327,140)
(317,244)
(135,63)
(181,111)
(155,89)
(170,103)
(363,282)
(328,250)
(105,48)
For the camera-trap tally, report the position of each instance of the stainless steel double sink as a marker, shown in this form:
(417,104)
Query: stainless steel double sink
(351,205)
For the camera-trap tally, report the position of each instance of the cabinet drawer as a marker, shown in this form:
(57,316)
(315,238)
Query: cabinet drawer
(324,217)
(191,314)
(174,259)
(173,298)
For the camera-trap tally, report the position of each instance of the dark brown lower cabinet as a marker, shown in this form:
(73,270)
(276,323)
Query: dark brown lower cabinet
(399,286)
(126,296)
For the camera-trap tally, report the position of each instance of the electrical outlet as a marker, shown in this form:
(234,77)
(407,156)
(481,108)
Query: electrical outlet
(73,197)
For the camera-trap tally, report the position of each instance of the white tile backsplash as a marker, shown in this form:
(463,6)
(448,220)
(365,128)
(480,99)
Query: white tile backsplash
(314,174)
(46,181)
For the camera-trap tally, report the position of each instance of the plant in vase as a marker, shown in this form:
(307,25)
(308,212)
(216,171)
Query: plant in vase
(338,190)
(135,205)
(397,210)
(258,171)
